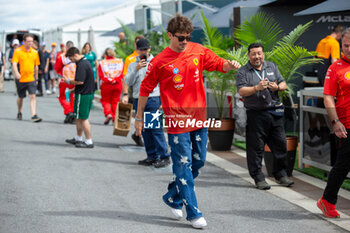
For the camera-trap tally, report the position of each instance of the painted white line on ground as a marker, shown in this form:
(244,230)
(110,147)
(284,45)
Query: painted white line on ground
(279,191)
(303,177)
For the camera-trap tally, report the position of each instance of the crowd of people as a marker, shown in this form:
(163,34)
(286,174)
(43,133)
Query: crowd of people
(173,82)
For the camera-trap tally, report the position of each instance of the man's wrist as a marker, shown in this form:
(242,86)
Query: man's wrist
(125,94)
(335,121)
(138,119)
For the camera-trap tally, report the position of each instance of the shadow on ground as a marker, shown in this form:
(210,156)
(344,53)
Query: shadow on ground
(270,215)
(124,216)
(102,161)
(43,143)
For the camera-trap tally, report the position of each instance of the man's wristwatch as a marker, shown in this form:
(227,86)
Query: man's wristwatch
(124,94)
(334,121)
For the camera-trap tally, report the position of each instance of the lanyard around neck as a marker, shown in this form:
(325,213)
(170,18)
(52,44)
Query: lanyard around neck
(261,77)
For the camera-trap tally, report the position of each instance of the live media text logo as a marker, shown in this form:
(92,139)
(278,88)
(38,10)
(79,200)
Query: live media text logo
(154,120)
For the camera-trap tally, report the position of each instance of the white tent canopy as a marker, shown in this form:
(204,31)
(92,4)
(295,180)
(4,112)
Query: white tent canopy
(99,24)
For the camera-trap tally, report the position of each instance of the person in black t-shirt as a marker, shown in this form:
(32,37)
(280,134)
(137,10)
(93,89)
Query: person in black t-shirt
(84,94)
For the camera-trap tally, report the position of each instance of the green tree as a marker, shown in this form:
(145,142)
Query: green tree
(158,41)
(280,49)
(125,49)
(221,83)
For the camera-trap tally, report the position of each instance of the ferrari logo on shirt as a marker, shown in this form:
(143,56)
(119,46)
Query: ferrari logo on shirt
(347,75)
(177,78)
(195,61)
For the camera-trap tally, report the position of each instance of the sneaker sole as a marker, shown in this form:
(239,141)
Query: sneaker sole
(176,216)
(106,122)
(162,166)
(85,147)
(36,121)
(72,143)
(286,185)
(324,211)
(199,227)
(265,188)
(165,164)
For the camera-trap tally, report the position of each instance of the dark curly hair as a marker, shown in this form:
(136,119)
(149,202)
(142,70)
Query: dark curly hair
(71,51)
(180,23)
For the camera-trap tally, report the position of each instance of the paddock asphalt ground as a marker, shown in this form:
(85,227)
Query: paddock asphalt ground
(50,186)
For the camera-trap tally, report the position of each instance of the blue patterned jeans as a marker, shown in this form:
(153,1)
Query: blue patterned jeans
(188,153)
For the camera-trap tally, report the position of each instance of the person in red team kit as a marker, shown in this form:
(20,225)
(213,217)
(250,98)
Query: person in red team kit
(337,86)
(178,71)
(110,71)
(66,68)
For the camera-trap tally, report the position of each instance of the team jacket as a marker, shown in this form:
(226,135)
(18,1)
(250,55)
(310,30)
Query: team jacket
(111,70)
(337,84)
(65,67)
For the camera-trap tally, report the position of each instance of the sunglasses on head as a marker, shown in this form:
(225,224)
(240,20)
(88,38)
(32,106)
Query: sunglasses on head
(182,38)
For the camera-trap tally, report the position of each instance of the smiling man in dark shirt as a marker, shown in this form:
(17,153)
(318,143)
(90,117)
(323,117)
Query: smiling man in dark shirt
(84,94)
(259,82)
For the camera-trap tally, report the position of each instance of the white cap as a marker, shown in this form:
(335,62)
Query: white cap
(15,41)
(42,43)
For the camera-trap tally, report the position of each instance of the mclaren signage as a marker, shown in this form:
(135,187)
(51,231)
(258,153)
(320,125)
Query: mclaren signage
(334,19)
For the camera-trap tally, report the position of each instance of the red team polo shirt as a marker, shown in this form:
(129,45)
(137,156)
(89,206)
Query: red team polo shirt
(337,84)
(181,83)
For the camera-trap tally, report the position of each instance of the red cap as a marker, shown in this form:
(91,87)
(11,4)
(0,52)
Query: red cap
(62,45)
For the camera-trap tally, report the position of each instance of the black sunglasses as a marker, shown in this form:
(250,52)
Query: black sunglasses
(182,38)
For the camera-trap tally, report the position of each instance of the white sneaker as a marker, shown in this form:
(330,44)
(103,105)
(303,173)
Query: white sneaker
(54,90)
(177,213)
(198,222)
(48,92)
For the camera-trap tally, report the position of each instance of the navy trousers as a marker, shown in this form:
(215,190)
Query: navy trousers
(154,139)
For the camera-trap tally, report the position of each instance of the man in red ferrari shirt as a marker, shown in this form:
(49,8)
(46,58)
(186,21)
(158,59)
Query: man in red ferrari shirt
(337,85)
(178,71)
